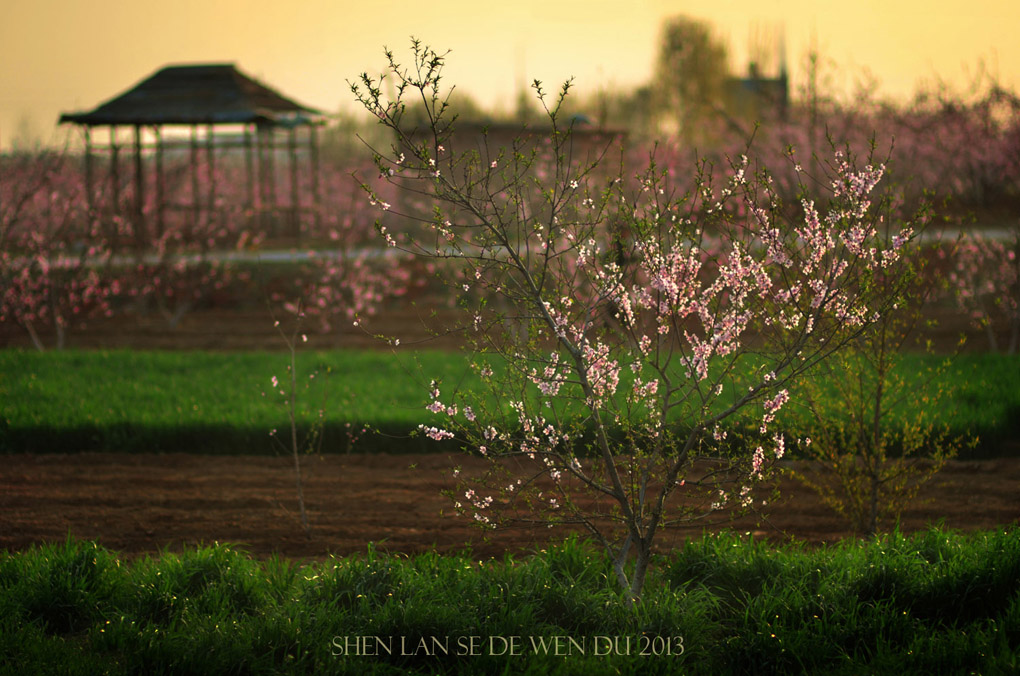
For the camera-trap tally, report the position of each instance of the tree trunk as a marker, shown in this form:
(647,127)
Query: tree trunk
(621,574)
(993,343)
(637,582)
(34,336)
(299,484)
(873,507)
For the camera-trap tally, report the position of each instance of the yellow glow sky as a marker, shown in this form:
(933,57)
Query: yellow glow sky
(69,55)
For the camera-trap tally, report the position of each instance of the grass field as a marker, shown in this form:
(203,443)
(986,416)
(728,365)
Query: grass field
(935,602)
(131,401)
(206,402)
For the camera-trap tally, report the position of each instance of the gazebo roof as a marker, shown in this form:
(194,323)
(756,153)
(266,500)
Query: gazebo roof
(198,94)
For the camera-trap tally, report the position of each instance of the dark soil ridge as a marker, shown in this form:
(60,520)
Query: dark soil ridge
(143,504)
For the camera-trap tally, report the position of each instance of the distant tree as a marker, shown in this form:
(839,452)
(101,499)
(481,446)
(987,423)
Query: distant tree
(986,280)
(690,76)
(26,137)
(346,140)
(458,105)
(53,252)
(616,108)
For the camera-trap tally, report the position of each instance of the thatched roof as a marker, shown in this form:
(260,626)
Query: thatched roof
(197,94)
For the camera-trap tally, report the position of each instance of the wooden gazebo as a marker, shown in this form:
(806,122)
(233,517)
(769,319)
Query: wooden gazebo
(203,110)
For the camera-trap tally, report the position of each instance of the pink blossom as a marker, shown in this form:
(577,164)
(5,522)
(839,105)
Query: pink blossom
(435,433)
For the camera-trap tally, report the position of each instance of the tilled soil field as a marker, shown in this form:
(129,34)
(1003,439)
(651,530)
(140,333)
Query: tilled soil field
(141,504)
(420,322)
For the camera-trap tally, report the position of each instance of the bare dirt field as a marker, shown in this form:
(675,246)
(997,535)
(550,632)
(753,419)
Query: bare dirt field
(142,504)
(250,327)
(419,322)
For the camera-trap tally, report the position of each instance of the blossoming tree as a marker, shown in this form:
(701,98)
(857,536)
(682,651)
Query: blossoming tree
(640,374)
(53,252)
(349,276)
(986,280)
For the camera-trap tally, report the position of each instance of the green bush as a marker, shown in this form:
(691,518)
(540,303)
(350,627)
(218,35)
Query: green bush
(933,602)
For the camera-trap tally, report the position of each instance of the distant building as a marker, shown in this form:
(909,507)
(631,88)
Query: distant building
(197,113)
(586,140)
(498,141)
(756,95)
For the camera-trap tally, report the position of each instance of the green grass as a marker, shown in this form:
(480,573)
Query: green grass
(935,602)
(983,400)
(130,401)
(209,402)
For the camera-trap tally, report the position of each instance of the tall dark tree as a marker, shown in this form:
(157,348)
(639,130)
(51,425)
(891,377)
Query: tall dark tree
(690,77)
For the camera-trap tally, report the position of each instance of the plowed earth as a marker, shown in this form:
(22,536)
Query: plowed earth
(140,504)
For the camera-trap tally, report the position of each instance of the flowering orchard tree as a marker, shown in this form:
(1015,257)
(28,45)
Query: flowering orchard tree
(350,275)
(624,353)
(959,144)
(189,261)
(53,254)
(986,280)
(63,263)
(179,253)
(878,432)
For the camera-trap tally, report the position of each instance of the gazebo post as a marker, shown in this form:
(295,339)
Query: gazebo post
(249,167)
(141,229)
(271,173)
(260,142)
(295,206)
(114,170)
(211,164)
(160,183)
(90,199)
(196,207)
(313,156)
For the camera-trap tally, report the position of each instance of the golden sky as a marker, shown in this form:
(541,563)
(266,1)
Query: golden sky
(69,55)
